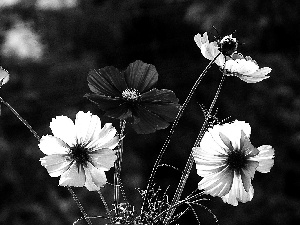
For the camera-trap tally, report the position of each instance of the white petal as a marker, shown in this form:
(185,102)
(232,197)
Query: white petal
(89,184)
(56,165)
(98,175)
(63,128)
(237,192)
(218,184)
(201,40)
(228,131)
(207,163)
(265,158)
(96,178)
(86,126)
(104,137)
(250,79)
(74,176)
(103,158)
(50,145)
(211,143)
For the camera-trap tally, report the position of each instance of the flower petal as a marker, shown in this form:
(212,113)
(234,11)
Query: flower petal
(103,138)
(141,76)
(247,174)
(107,81)
(89,184)
(98,175)
(86,126)
(113,107)
(207,164)
(237,192)
(265,158)
(63,128)
(149,122)
(56,165)
(74,176)
(163,96)
(217,184)
(51,145)
(103,158)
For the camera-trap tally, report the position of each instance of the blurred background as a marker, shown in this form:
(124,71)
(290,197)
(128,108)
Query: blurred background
(48,46)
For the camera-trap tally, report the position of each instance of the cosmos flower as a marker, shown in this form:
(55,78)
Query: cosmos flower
(79,153)
(4,76)
(227,161)
(234,63)
(129,95)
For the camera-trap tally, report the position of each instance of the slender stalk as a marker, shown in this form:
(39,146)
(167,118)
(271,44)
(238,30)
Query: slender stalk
(35,134)
(87,219)
(179,114)
(20,118)
(118,163)
(190,161)
(106,207)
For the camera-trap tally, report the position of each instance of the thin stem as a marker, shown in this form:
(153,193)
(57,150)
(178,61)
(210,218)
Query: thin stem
(35,134)
(189,164)
(20,118)
(87,219)
(106,207)
(118,163)
(179,114)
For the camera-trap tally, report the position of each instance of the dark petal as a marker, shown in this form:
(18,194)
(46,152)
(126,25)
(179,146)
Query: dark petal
(167,111)
(141,76)
(106,81)
(248,173)
(113,107)
(246,147)
(122,112)
(149,122)
(226,141)
(156,95)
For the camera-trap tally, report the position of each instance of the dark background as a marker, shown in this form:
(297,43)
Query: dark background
(100,33)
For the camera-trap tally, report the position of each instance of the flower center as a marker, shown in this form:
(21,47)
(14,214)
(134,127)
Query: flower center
(130,94)
(80,154)
(228,45)
(236,160)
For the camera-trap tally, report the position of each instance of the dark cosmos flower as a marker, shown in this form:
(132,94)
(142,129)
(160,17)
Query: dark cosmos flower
(130,95)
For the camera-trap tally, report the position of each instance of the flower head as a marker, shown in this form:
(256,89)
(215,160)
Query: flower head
(129,95)
(79,153)
(227,161)
(234,63)
(4,76)
(209,49)
(246,69)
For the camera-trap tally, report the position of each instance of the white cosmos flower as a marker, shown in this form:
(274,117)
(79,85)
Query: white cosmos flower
(227,162)
(79,153)
(235,64)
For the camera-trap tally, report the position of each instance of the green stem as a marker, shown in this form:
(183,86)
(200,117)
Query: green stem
(87,219)
(117,173)
(20,118)
(106,207)
(190,161)
(179,114)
